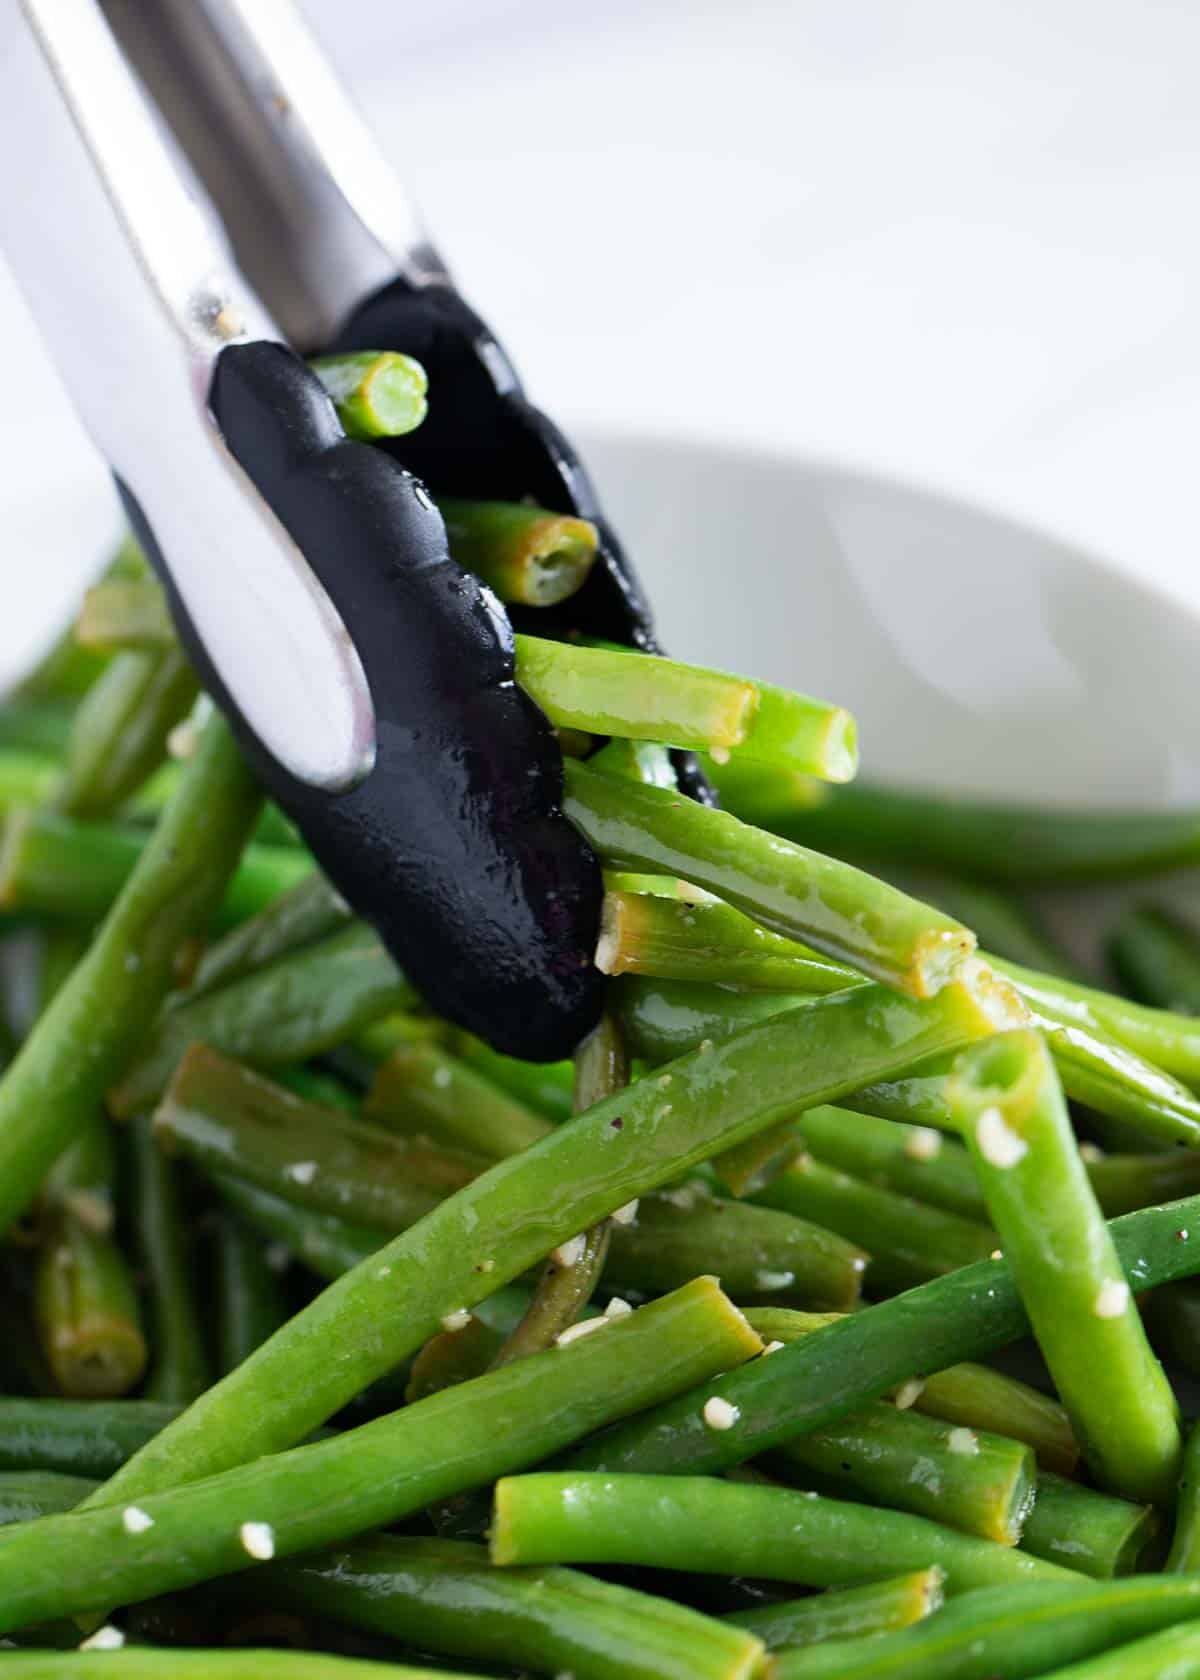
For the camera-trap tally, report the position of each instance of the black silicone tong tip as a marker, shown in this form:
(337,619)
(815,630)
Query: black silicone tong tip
(454,847)
(483,438)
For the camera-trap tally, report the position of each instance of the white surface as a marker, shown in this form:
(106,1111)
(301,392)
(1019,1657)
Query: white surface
(1036,674)
(947,239)
(951,242)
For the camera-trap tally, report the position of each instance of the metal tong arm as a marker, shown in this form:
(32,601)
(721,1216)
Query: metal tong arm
(316,215)
(134,297)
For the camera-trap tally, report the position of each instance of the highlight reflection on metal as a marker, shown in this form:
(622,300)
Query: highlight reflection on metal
(316,215)
(132,293)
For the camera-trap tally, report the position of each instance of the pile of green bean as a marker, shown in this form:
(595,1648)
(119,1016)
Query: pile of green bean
(827,1315)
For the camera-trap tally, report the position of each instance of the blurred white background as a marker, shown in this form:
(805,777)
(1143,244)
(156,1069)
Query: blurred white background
(954,242)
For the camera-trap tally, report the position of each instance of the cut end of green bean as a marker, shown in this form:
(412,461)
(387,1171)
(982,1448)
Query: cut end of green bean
(530,556)
(377,393)
(14,838)
(1010,1069)
(826,744)
(552,562)
(847,1612)
(99,1359)
(125,613)
(940,954)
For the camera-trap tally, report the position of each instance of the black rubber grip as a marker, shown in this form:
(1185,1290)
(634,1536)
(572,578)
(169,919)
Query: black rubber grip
(483,438)
(454,847)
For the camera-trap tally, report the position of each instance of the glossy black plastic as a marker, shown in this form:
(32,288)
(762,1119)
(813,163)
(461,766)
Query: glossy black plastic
(482,437)
(454,847)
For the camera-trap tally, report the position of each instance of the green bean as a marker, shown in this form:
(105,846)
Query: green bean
(1012,1112)
(148,803)
(841,912)
(1106,1076)
(179,1368)
(610,692)
(1169,1041)
(521,1208)
(845,1612)
(1011,1631)
(444,1596)
(763,794)
(1088,1531)
(757,1251)
(650,935)
(453,1356)
(85,1303)
(23,1366)
(134,1663)
(315,1085)
(572,1271)
(250,1304)
(1097,1066)
(361,1058)
(1172,1654)
(86,1036)
(366,1477)
(294,1008)
(26,1495)
(974,1396)
(1172,1317)
(911,1160)
(662,1019)
(324,1242)
(124,613)
(526,554)
(37,728)
(230,1120)
(119,734)
(377,393)
(616,691)
(66,670)
(543,1086)
(710,1526)
(634,761)
(1012,843)
(668,939)
(979,1483)
(77,1437)
(53,865)
(1157,959)
(981,1398)
(27,778)
(310,911)
(1087,1037)
(819,1378)
(1184,1556)
(936,1169)
(86,1310)
(1125,1182)
(424,1088)
(1149,1105)
(64,673)
(909,1242)
(751,1165)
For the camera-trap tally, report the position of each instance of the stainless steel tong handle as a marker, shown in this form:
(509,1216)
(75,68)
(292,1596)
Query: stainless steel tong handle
(316,215)
(134,296)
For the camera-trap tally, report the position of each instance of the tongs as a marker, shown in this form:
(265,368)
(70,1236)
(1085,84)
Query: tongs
(368,678)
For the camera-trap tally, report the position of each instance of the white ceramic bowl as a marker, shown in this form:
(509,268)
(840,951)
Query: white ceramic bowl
(977,654)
